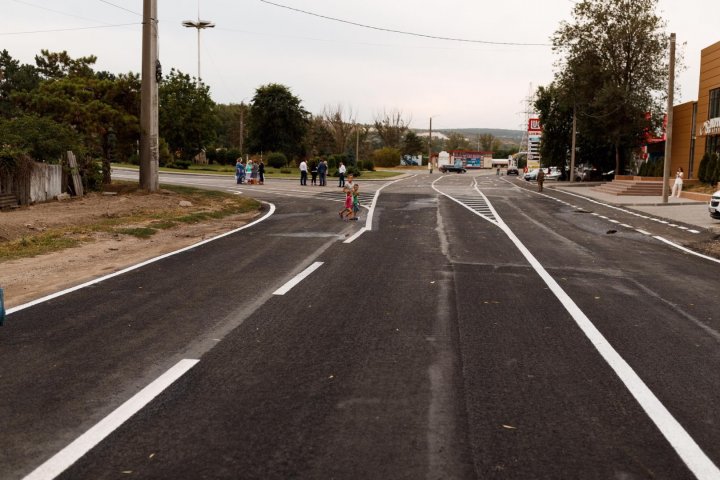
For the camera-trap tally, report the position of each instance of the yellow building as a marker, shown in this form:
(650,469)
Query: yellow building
(696,125)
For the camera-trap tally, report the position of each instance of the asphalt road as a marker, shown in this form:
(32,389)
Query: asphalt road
(477,330)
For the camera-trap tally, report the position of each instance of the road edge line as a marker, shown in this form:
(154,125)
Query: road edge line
(297,279)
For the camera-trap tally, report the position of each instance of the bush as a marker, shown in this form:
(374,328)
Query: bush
(90,170)
(179,164)
(387,157)
(42,138)
(277,160)
(369,165)
(702,170)
(285,170)
(360,165)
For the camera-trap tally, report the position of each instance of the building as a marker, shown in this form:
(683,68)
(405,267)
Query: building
(696,125)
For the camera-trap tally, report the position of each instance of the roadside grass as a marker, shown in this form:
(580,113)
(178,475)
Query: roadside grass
(288,172)
(143,224)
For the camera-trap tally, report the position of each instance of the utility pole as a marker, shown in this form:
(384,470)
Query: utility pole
(430,143)
(242,128)
(357,144)
(572,143)
(149,129)
(668,129)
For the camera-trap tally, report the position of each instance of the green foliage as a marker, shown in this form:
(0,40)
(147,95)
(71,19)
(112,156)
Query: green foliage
(359,164)
(702,170)
(139,232)
(90,170)
(386,157)
(41,138)
(277,160)
(14,78)
(335,160)
(164,155)
(55,65)
(277,122)
(457,141)
(412,145)
(285,170)
(223,156)
(180,164)
(369,165)
(187,115)
(228,127)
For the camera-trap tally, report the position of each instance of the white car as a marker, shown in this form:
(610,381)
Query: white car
(714,205)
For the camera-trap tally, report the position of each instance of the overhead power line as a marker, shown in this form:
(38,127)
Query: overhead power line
(59,11)
(413,34)
(121,8)
(69,29)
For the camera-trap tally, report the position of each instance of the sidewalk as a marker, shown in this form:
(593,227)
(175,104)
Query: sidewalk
(690,212)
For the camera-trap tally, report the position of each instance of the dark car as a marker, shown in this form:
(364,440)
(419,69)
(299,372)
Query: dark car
(457,168)
(512,171)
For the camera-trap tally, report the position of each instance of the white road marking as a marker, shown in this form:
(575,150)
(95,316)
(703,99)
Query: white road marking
(85,442)
(643,231)
(371,211)
(139,265)
(687,250)
(685,446)
(626,225)
(354,237)
(297,279)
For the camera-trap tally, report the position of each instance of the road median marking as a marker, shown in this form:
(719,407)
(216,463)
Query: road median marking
(297,279)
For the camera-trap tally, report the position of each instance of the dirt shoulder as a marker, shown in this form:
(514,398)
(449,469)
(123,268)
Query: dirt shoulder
(82,239)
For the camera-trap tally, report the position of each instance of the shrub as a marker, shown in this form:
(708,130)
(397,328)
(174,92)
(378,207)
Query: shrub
(179,164)
(702,170)
(386,157)
(369,165)
(360,165)
(277,160)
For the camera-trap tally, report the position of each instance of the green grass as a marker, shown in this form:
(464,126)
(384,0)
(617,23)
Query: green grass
(37,245)
(139,232)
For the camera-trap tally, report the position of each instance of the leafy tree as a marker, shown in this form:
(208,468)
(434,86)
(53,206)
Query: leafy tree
(556,119)
(457,141)
(487,142)
(187,115)
(14,78)
(386,157)
(277,121)
(230,125)
(277,160)
(54,65)
(614,67)
(340,124)
(412,145)
(41,138)
(391,128)
(318,137)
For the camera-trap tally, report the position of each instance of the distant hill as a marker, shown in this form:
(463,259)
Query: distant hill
(505,135)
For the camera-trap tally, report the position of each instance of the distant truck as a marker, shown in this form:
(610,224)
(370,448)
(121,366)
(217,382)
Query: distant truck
(457,167)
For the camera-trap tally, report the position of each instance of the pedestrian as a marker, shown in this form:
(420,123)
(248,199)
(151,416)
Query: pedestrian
(248,171)
(341,171)
(347,207)
(430,166)
(261,172)
(677,186)
(239,171)
(303,172)
(322,172)
(540,179)
(356,202)
(497,172)
(254,173)
(313,173)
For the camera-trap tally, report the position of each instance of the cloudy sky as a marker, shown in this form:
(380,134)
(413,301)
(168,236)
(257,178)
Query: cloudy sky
(324,62)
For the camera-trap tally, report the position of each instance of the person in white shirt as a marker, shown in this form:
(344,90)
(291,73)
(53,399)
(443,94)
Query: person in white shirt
(341,171)
(677,186)
(303,173)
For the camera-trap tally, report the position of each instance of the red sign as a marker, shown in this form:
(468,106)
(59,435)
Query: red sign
(534,125)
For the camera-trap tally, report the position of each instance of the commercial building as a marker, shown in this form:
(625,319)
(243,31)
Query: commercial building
(696,125)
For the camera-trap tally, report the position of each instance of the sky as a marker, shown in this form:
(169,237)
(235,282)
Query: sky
(328,63)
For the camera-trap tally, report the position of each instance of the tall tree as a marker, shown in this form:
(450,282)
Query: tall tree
(187,114)
(626,45)
(412,145)
(487,142)
(277,121)
(14,78)
(230,127)
(391,128)
(341,124)
(457,141)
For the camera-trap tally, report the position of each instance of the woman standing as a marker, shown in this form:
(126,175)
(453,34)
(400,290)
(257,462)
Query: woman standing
(254,173)
(261,172)
(248,171)
(677,186)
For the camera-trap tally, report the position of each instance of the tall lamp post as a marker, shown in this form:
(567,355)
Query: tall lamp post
(199,25)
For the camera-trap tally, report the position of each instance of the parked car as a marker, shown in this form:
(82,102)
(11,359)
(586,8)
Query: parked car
(554,174)
(588,175)
(531,176)
(457,168)
(714,205)
(512,171)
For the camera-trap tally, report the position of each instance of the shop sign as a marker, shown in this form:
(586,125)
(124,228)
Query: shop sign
(710,127)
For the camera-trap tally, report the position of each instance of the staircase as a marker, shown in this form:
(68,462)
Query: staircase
(641,188)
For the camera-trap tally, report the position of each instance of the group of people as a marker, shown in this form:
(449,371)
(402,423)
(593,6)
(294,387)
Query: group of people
(351,209)
(252,172)
(320,169)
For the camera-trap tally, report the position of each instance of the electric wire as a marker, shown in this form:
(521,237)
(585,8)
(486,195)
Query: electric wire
(412,34)
(68,29)
(121,8)
(60,12)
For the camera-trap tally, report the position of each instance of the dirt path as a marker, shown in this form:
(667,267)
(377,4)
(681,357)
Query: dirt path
(101,253)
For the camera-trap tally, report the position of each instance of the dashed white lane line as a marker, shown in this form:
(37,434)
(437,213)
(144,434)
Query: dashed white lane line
(85,442)
(297,279)
(685,446)
(642,231)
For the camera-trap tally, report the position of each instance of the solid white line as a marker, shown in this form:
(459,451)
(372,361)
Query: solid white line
(626,225)
(369,219)
(85,442)
(139,265)
(642,231)
(687,250)
(297,279)
(694,231)
(688,450)
(354,237)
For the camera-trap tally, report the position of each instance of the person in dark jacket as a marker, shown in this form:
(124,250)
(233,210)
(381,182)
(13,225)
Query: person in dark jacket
(261,172)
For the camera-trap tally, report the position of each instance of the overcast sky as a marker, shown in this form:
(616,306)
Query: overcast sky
(460,84)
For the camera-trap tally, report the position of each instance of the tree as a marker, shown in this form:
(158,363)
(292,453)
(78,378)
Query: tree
(277,121)
(622,42)
(487,142)
(41,138)
(413,145)
(457,141)
(556,120)
(187,115)
(318,138)
(340,126)
(391,128)
(386,157)
(14,78)
(54,65)
(229,129)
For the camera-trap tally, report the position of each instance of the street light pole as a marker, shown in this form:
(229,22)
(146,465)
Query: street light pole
(149,130)
(199,25)
(668,129)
